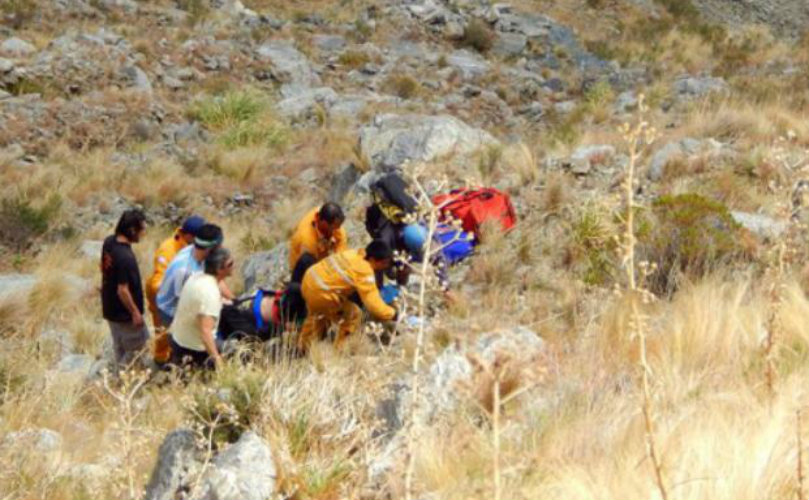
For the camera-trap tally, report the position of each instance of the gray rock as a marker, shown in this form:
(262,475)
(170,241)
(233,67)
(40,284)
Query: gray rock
(304,102)
(137,79)
(586,157)
(6,65)
(43,441)
(288,64)
(671,151)
(176,460)
(533,111)
(266,269)
(16,47)
(91,249)
(173,83)
(468,63)
(56,340)
(565,107)
(244,471)
(76,364)
(761,225)
(689,87)
(626,101)
(509,44)
(390,140)
(329,43)
(451,371)
(16,285)
(343,182)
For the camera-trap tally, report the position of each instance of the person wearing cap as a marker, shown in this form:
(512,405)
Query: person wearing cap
(182,237)
(318,235)
(188,261)
(329,285)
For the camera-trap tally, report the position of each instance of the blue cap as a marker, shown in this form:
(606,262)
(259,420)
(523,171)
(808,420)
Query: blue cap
(192,225)
(415,236)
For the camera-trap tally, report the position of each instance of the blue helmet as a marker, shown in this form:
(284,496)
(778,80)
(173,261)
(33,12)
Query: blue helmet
(415,236)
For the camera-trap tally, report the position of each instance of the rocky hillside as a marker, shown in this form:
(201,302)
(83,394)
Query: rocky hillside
(535,380)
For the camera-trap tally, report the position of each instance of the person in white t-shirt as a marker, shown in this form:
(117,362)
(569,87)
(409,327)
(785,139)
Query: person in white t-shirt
(193,331)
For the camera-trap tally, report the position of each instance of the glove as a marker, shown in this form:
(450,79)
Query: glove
(389,293)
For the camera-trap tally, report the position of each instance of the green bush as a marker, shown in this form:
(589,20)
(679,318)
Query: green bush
(229,406)
(594,245)
(691,236)
(354,58)
(240,119)
(478,35)
(21,222)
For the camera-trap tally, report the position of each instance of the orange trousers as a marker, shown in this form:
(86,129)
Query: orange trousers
(161,349)
(325,313)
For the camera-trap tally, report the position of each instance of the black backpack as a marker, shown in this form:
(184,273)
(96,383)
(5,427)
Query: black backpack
(390,195)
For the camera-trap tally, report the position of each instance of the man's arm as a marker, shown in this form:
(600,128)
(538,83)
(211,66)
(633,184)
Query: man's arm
(224,289)
(369,294)
(126,298)
(206,327)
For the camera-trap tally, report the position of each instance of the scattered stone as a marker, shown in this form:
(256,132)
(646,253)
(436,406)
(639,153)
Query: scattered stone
(16,47)
(586,157)
(91,249)
(329,43)
(305,102)
(469,64)
(673,150)
(564,107)
(244,471)
(509,44)
(58,340)
(266,269)
(626,102)
(6,65)
(137,79)
(390,140)
(173,83)
(79,364)
(16,285)
(44,441)
(177,459)
(689,87)
(288,64)
(762,226)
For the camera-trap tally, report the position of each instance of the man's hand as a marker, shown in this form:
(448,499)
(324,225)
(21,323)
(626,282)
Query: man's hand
(137,319)
(218,362)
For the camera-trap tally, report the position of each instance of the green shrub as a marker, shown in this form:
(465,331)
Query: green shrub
(478,35)
(229,406)
(691,236)
(240,119)
(593,243)
(17,13)
(21,222)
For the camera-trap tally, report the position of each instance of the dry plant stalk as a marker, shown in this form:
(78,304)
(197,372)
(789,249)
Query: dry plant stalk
(424,274)
(636,137)
(799,465)
(130,384)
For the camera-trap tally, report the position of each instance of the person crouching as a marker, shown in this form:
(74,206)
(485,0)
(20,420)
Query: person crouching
(193,331)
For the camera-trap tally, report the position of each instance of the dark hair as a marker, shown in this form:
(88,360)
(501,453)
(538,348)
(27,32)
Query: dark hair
(130,223)
(216,260)
(208,236)
(331,212)
(378,250)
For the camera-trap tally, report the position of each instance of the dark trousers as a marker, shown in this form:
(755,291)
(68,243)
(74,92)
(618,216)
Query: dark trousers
(305,261)
(187,358)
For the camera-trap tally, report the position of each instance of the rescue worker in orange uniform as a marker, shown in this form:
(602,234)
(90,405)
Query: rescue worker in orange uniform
(318,235)
(328,286)
(163,256)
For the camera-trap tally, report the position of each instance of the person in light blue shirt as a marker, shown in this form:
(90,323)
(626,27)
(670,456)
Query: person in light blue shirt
(188,261)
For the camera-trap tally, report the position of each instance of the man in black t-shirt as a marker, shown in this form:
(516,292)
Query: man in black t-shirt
(122,290)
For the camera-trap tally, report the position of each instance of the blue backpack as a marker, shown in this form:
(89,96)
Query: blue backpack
(456,244)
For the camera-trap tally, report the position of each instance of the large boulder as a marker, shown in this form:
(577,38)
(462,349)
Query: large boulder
(678,150)
(266,269)
(763,226)
(244,471)
(288,64)
(16,47)
(391,140)
(304,102)
(444,383)
(177,459)
(691,87)
(468,64)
